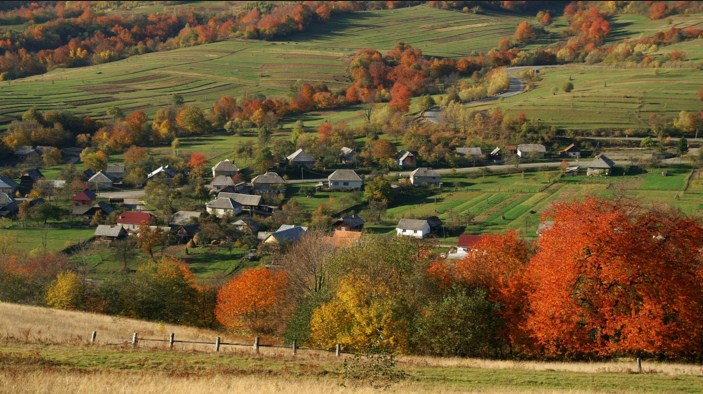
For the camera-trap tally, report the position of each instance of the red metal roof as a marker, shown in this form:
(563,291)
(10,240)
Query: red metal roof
(85,195)
(468,240)
(135,218)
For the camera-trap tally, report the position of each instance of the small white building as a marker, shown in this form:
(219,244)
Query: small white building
(222,207)
(344,180)
(416,228)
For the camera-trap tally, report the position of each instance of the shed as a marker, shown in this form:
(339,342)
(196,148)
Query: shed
(406,159)
(225,167)
(107,232)
(349,223)
(601,165)
(531,151)
(8,185)
(100,181)
(301,158)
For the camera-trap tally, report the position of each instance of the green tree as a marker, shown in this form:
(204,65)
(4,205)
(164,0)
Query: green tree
(567,87)
(682,146)
(378,189)
(192,120)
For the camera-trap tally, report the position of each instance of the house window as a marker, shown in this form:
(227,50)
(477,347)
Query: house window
(345,183)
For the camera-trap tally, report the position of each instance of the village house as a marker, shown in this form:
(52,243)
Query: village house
(100,181)
(349,223)
(601,165)
(246,225)
(425,177)
(184,225)
(8,185)
(116,172)
(531,151)
(347,155)
(301,158)
(23,152)
(495,154)
(223,207)
(570,151)
(109,233)
(132,220)
(406,159)
(464,245)
(85,198)
(470,152)
(416,228)
(182,218)
(8,206)
(285,235)
(164,172)
(220,182)
(226,168)
(90,210)
(29,178)
(344,180)
(270,182)
(249,202)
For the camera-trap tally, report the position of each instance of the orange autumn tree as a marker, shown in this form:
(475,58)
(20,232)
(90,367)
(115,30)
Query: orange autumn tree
(253,301)
(612,278)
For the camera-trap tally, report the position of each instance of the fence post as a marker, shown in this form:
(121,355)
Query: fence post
(92,336)
(134,339)
(639,365)
(217,344)
(337,350)
(171,340)
(256,345)
(295,347)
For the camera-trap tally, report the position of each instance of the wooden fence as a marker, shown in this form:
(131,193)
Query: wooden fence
(218,343)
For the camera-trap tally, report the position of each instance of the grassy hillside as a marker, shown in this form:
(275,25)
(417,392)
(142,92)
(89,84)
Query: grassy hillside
(606,97)
(203,73)
(42,349)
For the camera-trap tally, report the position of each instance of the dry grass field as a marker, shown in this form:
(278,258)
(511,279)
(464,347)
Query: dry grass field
(47,351)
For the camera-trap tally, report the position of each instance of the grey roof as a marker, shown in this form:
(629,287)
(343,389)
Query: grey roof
(56,183)
(7,183)
(6,200)
(105,207)
(473,151)
(346,151)
(115,169)
(268,178)
(34,174)
(221,181)
(344,176)
(247,222)
(495,151)
(225,165)
(24,150)
(250,200)
(300,156)
(288,233)
(224,203)
(104,230)
(352,221)
(601,162)
(425,172)
(412,224)
(184,217)
(100,177)
(532,148)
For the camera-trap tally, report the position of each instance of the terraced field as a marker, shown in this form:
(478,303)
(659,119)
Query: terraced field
(203,73)
(606,97)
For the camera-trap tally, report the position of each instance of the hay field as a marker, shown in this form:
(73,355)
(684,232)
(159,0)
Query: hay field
(48,355)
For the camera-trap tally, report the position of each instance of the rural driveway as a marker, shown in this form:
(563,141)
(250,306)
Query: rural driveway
(126,194)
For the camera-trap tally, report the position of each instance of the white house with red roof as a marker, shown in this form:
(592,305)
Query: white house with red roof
(131,221)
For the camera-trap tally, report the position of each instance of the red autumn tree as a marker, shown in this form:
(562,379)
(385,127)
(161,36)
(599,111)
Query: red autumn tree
(613,278)
(134,155)
(252,300)
(400,98)
(324,131)
(657,10)
(197,160)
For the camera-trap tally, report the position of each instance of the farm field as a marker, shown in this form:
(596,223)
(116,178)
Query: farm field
(51,344)
(605,97)
(54,239)
(202,74)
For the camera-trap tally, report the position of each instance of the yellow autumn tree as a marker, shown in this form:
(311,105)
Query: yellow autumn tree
(362,314)
(66,292)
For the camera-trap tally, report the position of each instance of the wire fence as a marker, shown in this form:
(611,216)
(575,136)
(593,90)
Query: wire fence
(218,344)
